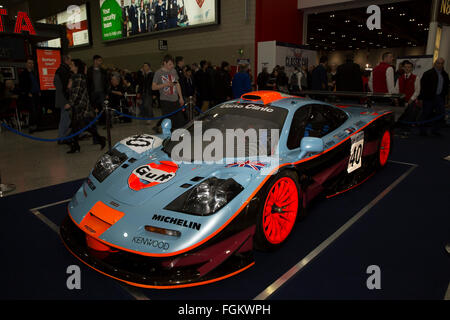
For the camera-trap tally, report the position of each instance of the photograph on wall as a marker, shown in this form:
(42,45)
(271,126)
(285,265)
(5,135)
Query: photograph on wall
(75,19)
(126,18)
(7,73)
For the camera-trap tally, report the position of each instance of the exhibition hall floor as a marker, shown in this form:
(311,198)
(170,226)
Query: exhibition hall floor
(398,220)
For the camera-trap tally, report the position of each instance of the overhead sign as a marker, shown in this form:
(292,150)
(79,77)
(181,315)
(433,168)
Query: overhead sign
(444,12)
(48,62)
(121,19)
(303,4)
(290,56)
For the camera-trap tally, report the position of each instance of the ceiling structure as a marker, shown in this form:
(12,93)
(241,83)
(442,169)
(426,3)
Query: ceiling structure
(403,24)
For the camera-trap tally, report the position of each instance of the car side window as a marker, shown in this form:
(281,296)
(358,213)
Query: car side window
(314,120)
(324,119)
(298,126)
(334,117)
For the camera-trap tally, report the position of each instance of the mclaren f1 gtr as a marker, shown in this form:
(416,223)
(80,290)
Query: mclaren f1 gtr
(155,217)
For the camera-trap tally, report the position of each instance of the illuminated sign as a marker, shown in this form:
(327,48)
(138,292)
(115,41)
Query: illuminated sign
(48,62)
(75,19)
(23,22)
(122,19)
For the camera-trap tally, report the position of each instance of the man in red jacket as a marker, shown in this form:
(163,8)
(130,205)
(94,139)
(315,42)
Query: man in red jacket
(408,84)
(382,78)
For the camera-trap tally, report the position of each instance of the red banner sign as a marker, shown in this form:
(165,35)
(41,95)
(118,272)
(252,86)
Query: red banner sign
(48,62)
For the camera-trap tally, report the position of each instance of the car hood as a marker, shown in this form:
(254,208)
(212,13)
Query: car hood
(136,195)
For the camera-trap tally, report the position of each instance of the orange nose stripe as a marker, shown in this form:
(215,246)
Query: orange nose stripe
(99,219)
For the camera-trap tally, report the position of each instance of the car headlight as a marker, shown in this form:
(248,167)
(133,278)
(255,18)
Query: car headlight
(107,163)
(206,198)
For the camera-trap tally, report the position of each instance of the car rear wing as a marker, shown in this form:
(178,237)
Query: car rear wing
(366,99)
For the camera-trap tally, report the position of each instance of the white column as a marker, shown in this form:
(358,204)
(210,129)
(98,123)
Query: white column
(431,37)
(444,50)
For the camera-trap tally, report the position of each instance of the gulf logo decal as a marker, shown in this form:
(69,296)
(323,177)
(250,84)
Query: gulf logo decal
(152,174)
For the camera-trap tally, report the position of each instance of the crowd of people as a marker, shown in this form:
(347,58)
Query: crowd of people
(81,91)
(424,98)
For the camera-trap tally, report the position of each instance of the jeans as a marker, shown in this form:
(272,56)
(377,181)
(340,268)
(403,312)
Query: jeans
(147,106)
(64,123)
(167,107)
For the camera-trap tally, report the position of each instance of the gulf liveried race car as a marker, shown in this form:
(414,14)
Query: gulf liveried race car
(143,218)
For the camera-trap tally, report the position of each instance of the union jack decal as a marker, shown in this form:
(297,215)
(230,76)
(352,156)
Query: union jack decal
(247,164)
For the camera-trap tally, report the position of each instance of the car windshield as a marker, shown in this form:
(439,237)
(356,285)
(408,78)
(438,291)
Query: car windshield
(237,125)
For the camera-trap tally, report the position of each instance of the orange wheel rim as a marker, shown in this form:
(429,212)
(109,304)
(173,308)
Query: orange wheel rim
(385,148)
(280,210)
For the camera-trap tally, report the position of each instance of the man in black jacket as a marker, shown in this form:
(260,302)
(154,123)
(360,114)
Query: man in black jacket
(145,90)
(61,82)
(97,82)
(30,93)
(222,84)
(434,88)
(349,76)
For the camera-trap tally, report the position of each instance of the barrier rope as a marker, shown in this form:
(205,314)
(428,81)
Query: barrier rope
(57,139)
(92,122)
(148,119)
(423,121)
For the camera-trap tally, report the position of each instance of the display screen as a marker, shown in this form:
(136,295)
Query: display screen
(48,62)
(126,18)
(75,18)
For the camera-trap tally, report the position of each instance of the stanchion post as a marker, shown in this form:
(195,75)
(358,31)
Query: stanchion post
(108,124)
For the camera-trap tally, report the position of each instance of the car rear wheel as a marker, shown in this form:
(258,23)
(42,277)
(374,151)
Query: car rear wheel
(385,148)
(278,212)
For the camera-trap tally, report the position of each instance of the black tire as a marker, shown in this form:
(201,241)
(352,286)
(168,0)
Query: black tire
(261,241)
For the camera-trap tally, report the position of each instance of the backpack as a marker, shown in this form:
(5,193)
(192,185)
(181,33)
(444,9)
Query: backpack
(293,81)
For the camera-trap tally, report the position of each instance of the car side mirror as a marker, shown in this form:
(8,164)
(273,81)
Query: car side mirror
(166,126)
(310,144)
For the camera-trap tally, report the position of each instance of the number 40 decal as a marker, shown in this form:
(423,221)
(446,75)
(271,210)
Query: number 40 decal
(356,152)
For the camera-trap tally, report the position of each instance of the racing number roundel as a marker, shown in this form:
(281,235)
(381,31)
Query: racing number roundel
(356,152)
(152,174)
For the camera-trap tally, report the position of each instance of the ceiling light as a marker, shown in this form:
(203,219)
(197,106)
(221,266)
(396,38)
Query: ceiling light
(343,36)
(360,25)
(347,21)
(319,29)
(331,15)
(333,32)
